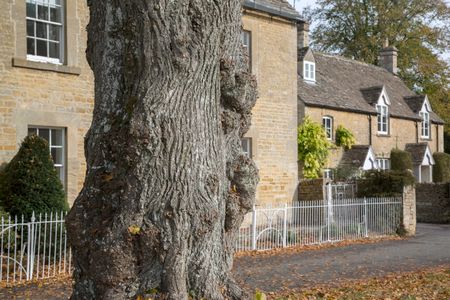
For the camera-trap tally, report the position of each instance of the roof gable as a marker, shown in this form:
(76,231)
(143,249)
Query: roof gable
(359,156)
(420,103)
(420,154)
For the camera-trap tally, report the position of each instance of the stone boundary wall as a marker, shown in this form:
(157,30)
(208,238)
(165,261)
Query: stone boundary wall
(433,202)
(311,189)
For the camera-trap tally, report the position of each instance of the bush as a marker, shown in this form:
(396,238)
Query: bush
(30,183)
(344,137)
(441,170)
(401,160)
(384,183)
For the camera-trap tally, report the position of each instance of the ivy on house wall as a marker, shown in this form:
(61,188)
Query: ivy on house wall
(344,137)
(313,148)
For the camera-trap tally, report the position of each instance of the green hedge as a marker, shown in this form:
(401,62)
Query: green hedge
(30,183)
(384,183)
(441,170)
(401,160)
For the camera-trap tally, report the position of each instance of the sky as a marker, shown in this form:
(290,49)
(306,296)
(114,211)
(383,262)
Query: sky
(301,4)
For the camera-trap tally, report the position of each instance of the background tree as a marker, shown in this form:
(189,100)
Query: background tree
(313,148)
(167,183)
(30,182)
(419,29)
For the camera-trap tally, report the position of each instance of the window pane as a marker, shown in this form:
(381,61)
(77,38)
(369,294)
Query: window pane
(57,155)
(55,14)
(32,131)
(30,28)
(54,32)
(43,12)
(53,50)
(31,9)
(41,48)
(57,137)
(30,46)
(41,30)
(44,133)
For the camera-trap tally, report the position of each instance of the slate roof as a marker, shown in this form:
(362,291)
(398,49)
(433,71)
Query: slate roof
(416,102)
(280,8)
(355,156)
(417,152)
(350,85)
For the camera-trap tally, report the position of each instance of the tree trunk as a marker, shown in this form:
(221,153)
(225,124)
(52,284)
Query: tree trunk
(167,183)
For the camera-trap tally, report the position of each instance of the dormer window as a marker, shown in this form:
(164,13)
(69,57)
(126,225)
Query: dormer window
(383,118)
(382,107)
(309,71)
(425,124)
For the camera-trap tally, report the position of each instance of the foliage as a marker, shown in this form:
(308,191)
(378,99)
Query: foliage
(344,137)
(346,172)
(401,160)
(425,284)
(376,183)
(29,181)
(312,147)
(441,170)
(417,28)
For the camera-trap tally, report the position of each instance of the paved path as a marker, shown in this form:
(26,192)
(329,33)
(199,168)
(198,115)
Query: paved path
(430,248)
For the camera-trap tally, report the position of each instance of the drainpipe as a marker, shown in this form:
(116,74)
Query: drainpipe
(417,132)
(369,117)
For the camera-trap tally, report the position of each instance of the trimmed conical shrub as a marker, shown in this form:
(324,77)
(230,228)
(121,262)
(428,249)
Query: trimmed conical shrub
(30,182)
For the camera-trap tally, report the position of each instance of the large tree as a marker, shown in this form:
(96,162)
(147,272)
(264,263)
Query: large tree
(419,29)
(167,183)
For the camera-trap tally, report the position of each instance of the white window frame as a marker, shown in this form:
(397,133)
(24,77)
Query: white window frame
(47,59)
(425,124)
(383,119)
(309,71)
(383,164)
(247,146)
(327,123)
(63,146)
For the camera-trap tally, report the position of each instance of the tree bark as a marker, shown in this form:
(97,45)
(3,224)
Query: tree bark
(167,183)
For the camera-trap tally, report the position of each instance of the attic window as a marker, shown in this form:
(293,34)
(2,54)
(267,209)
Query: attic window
(425,124)
(309,71)
(383,119)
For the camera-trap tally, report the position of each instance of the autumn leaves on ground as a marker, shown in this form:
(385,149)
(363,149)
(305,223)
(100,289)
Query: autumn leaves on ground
(433,283)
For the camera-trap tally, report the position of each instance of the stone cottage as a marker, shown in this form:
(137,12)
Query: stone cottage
(47,88)
(373,103)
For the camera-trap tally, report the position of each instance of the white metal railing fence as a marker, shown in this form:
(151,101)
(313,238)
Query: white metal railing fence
(33,249)
(317,222)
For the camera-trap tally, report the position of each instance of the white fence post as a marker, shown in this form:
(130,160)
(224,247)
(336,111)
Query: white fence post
(285,226)
(31,249)
(365,218)
(254,228)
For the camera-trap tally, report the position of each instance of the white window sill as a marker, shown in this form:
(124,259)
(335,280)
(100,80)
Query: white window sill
(45,66)
(45,60)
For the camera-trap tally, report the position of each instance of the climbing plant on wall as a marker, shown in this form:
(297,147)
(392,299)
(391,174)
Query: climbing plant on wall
(313,148)
(344,137)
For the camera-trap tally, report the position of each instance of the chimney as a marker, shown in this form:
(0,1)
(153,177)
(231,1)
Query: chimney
(388,58)
(302,35)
